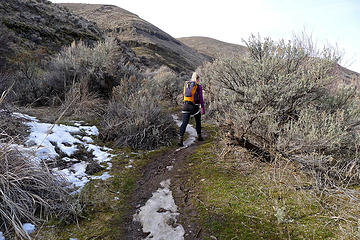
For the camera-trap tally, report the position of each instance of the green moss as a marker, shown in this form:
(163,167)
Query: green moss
(238,204)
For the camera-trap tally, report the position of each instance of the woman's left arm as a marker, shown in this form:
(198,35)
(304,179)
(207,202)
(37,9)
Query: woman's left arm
(201,100)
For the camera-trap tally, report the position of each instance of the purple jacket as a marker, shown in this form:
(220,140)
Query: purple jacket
(201,99)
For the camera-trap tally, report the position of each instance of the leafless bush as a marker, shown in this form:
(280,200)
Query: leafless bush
(82,103)
(29,192)
(80,61)
(134,118)
(168,84)
(277,102)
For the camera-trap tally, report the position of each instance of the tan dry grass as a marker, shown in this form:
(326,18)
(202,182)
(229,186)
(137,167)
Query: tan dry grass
(29,192)
(81,103)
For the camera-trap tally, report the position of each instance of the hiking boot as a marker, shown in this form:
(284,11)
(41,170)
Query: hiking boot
(181,140)
(199,138)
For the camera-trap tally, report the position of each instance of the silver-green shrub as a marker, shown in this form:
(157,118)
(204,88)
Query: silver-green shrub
(135,118)
(278,100)
(79,61)
(168,84)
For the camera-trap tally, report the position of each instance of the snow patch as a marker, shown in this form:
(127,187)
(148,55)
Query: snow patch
(45,138)
(88,139)
(24,116)
(44,134)
(1,236)
(90,130)
(28,228)
(158,216)
(104,176)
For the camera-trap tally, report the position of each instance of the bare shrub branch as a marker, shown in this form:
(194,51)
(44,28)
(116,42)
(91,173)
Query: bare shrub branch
(81,103)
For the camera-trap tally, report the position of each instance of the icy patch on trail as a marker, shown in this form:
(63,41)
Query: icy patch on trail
(189,129)
(158,216)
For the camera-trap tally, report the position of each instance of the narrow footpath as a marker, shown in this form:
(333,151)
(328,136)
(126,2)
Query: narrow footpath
(160,208)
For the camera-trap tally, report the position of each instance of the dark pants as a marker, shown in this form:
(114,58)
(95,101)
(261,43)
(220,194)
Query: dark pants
(186,117)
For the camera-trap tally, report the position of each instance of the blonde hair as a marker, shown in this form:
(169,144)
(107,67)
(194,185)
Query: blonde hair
(195,77)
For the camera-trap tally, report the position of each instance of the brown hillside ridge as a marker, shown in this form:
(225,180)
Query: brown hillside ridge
(213,47)
(27,26)
(346,76)
(144,38)
(218,49)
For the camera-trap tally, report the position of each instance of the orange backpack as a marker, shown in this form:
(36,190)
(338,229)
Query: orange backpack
(190,88)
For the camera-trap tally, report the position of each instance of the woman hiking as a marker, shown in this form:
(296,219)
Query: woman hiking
(193,99)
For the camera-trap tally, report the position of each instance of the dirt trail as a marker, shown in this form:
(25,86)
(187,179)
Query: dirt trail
(156,172)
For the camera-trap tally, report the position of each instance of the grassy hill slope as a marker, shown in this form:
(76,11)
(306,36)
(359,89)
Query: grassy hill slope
(213,47)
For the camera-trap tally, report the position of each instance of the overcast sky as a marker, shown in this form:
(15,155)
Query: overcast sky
(334,22)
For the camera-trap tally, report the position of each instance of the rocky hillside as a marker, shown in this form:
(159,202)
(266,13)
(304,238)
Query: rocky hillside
(31,25)
(144,38)
(213,47)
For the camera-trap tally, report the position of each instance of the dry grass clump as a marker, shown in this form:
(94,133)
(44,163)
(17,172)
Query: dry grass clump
(11,129)
(29,192)
(277,102)
(82,103)
(134,117)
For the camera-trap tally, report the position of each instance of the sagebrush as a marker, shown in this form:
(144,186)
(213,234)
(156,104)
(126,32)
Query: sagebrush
(135,118)
(79,102)
(80,61)
(278,102)
(169,85)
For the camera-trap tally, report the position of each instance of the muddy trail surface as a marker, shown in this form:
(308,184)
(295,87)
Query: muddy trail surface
(167,165)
